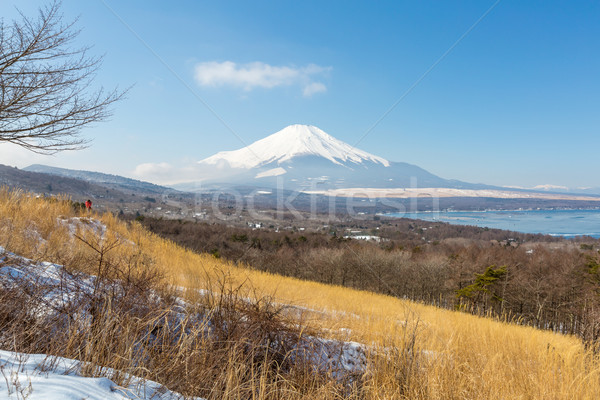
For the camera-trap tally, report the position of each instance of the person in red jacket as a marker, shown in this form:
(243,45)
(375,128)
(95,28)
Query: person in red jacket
(88,205)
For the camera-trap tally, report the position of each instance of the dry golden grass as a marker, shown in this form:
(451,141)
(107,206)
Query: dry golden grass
(418,351)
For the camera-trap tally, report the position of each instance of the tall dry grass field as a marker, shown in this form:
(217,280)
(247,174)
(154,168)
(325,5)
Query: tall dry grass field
(415,351)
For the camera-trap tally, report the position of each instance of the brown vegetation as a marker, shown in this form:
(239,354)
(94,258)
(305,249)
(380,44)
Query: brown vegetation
(550,284)
(412,350)
(218,344)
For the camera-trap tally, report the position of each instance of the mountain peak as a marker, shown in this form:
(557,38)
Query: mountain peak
(302,132)
(294,141)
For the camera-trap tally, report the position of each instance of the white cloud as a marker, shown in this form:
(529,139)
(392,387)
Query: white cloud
(153,169)
(166,174)
(313,88)
(258,74)
(13,155)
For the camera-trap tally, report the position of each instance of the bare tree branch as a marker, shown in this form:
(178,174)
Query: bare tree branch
(45,84)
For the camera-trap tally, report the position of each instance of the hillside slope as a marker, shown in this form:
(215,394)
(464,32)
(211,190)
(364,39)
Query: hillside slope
(415,351)
(111,181)
(53,184)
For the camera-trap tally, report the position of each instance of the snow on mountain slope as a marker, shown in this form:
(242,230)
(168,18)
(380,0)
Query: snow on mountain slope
(271,172)
(291,142)
(304,158)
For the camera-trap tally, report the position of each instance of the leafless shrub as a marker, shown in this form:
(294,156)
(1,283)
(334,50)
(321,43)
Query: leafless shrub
(220,344)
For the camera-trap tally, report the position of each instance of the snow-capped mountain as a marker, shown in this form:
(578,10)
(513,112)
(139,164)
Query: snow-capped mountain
(294,141)
(303,157)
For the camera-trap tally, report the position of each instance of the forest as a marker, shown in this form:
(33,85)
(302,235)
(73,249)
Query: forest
(535,280)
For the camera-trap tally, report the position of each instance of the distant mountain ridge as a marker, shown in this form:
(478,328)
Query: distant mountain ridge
(53,184)
(304,157)
(298,158)
(109,180)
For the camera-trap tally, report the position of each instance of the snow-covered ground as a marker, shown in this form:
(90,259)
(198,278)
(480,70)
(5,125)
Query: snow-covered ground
(83,224)
(404,193)
(39,377)
(24,376)
(340,358)
(365,237)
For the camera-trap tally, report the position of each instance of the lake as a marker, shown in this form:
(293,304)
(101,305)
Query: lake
(567,223)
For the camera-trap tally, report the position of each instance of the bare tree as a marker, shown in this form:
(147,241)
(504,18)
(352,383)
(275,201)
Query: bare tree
(45,84)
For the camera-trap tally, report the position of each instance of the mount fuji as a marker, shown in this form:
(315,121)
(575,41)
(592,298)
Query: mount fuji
(303,157)
(292,142)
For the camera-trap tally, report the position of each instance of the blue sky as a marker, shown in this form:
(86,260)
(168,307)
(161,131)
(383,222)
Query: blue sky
(516,101)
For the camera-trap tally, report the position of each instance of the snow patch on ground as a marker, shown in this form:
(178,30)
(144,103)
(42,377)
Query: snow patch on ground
(79,224)
(341,358)
(338,357)
(32,235)
(40,377)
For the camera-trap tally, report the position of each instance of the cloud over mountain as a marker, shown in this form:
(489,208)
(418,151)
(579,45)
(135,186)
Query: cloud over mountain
(261,75)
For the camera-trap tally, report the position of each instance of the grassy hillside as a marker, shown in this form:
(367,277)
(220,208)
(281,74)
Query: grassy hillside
(414,351)
(545,282)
